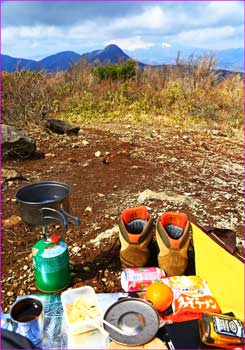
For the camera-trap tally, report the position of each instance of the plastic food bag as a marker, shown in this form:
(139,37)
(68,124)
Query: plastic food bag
(191,298)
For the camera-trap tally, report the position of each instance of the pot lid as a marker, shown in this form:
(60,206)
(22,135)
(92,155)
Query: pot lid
(134,316)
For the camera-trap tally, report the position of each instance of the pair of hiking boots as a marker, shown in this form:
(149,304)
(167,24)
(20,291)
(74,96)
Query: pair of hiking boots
(172,236)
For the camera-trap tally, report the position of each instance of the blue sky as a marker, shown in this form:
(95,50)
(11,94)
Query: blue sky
(35,30)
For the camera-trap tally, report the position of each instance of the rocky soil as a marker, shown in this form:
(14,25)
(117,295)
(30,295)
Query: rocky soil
(110,168)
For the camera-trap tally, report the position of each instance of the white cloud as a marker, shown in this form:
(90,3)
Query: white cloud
(211,25)
(225,11)
(17,41)
(130,44)
(151,18)
(210,38)
(166,45)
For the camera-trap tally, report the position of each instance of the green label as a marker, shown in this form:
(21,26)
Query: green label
(52,264)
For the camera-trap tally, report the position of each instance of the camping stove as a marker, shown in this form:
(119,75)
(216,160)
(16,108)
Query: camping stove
(41,205)
(51,263)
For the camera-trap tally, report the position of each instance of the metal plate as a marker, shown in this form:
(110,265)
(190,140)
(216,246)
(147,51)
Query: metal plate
(135,316)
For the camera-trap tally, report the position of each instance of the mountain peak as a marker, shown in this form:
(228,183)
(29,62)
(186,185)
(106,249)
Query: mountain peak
(114,49)
(110,54)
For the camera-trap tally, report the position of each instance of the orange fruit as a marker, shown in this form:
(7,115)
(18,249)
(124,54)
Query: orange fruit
(160,295)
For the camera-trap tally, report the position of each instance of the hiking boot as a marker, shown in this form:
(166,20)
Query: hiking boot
(135,234)
(173,238)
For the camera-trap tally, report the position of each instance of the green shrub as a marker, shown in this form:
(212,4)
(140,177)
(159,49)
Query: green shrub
(115,71)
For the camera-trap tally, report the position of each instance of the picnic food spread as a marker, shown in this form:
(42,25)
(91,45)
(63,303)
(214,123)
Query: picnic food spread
(75,310)
(163,296)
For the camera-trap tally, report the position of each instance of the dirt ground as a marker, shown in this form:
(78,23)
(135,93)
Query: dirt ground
(199,172)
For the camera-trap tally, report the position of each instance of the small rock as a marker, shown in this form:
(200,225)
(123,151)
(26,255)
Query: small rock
(15,143)
(85,143)
(105,160)
(86,268)
(187,193)
(186,138)
(219,133)
(25,267)
(61,127)
(76,249)
(153,133)
(100,195)
(98,154)
(12,221)
(10,294)
(74,145)
(8,174)
(88,210)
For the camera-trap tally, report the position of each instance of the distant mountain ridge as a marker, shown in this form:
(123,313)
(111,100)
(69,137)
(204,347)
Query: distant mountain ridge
(226,59)
(63,60)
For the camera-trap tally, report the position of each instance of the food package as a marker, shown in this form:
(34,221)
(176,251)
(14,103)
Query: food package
(191,298)
(137,279)
(81,309)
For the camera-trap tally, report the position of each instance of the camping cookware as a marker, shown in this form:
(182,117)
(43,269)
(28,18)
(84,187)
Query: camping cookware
(27,319)
(42,204)
(137,318)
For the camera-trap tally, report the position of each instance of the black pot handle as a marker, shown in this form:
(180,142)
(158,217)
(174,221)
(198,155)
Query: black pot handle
(63,220)
(75,221)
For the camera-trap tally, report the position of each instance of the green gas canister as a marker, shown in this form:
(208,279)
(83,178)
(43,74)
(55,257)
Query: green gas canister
(51,264)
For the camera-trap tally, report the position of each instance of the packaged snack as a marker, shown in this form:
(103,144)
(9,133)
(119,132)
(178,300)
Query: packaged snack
(191,298)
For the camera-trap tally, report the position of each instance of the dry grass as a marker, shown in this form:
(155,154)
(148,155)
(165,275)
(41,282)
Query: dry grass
(192,93)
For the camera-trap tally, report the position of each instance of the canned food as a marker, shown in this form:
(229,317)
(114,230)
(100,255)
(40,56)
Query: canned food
(139,278)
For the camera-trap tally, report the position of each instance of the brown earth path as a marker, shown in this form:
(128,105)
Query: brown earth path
(196,171)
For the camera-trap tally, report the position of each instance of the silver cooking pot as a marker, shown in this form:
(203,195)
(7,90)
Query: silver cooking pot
(45,203)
